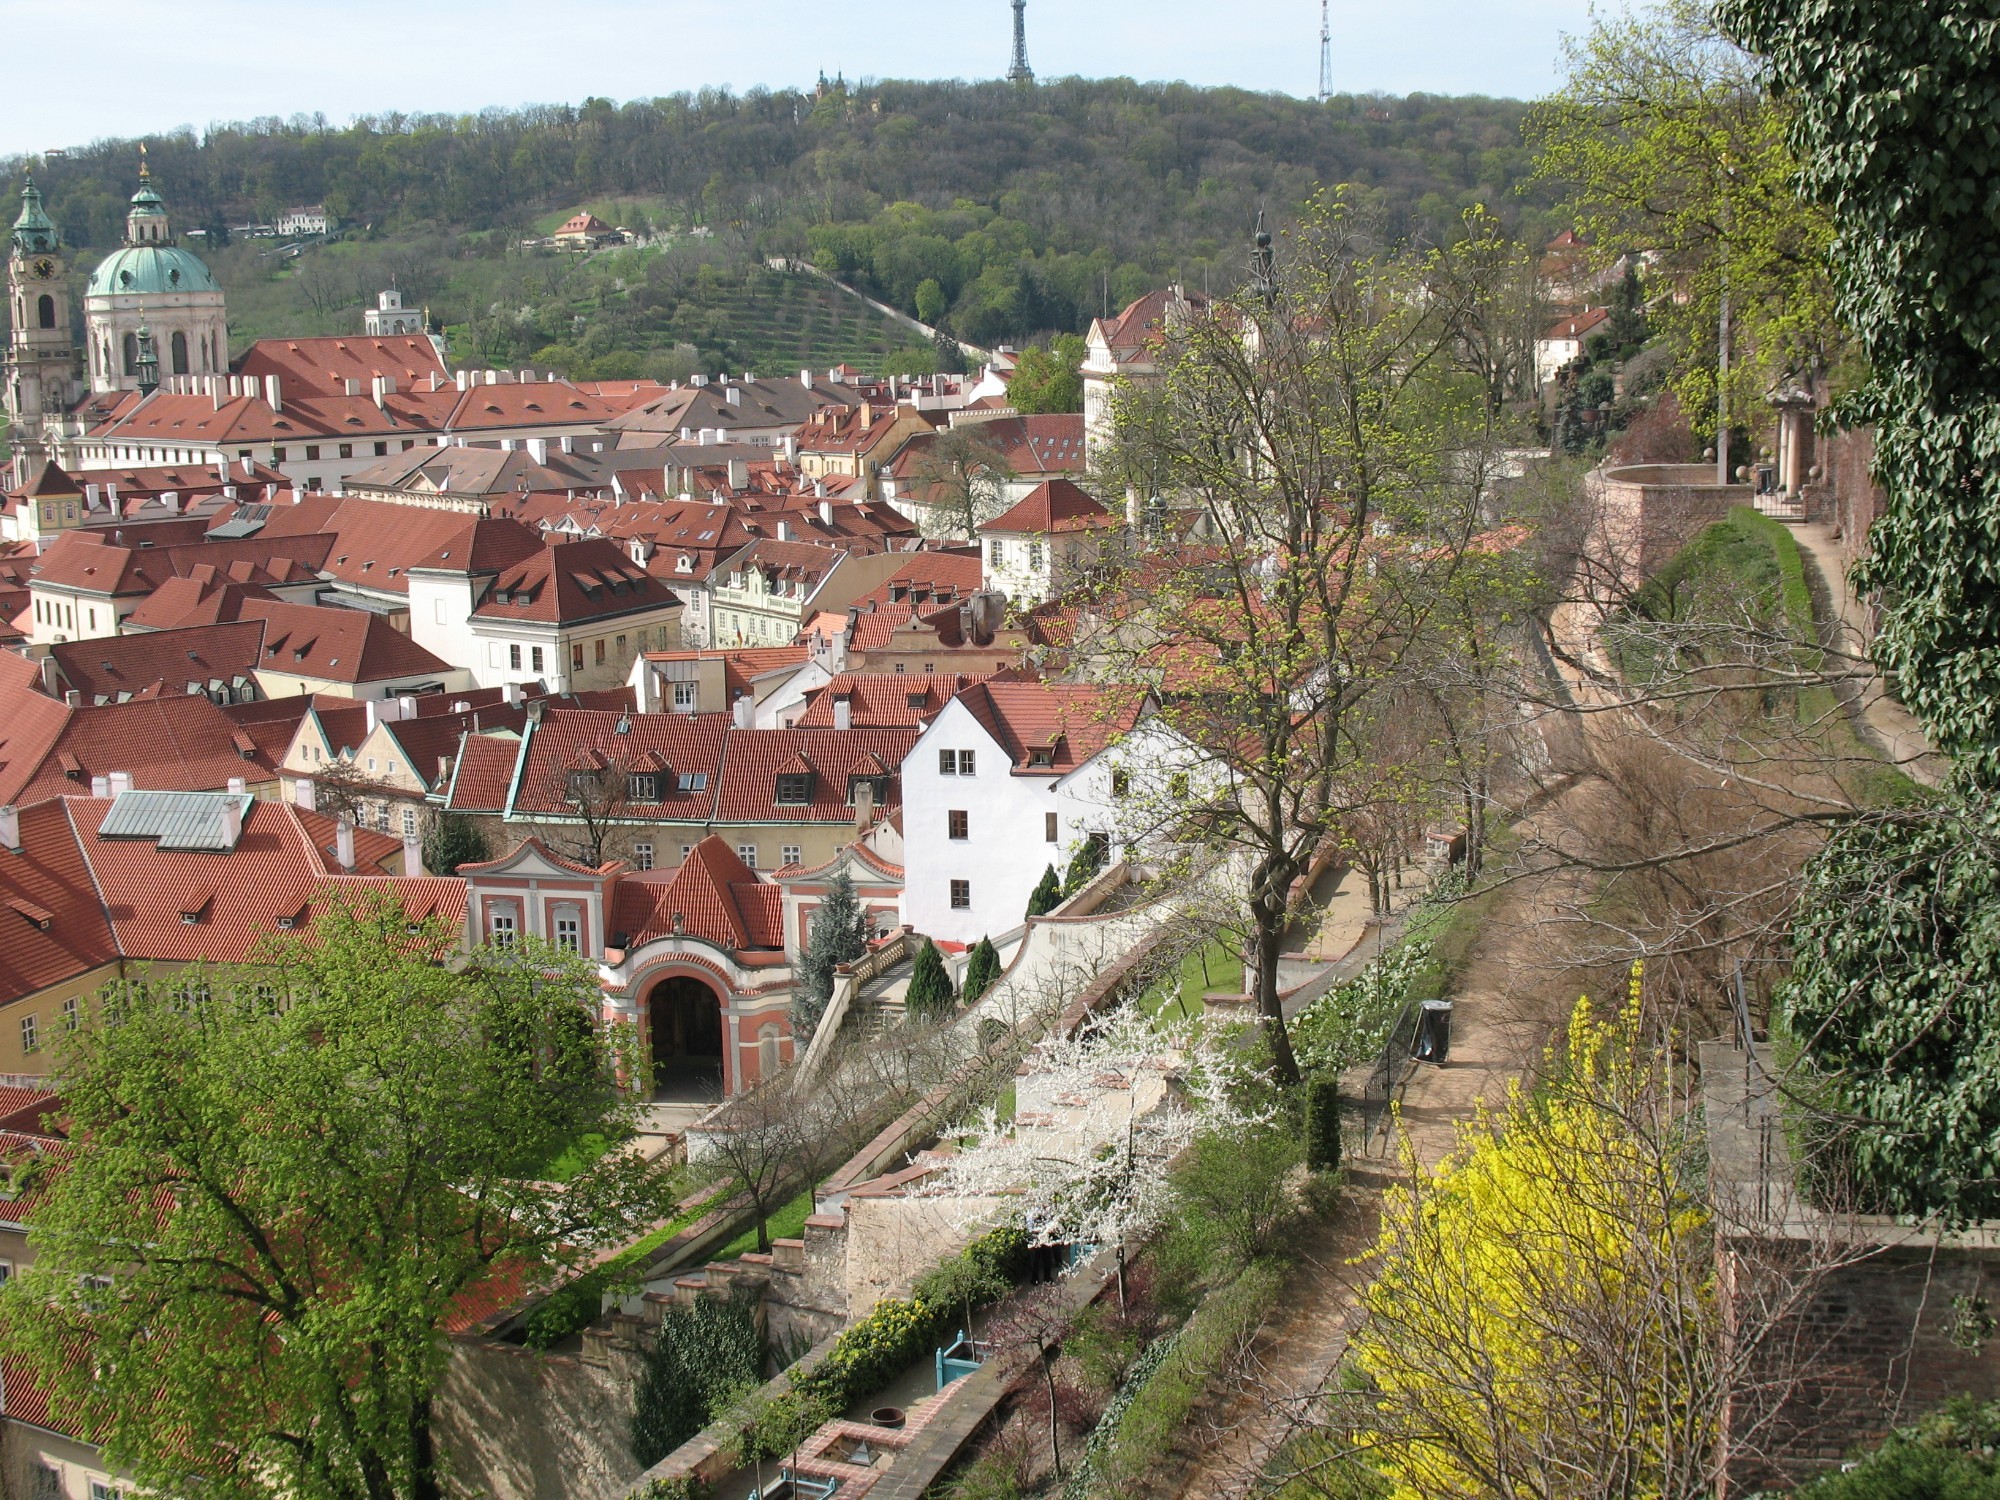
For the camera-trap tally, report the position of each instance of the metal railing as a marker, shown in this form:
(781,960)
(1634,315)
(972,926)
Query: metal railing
(1393,1066)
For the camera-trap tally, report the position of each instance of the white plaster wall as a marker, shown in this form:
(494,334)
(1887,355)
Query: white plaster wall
(1006,853)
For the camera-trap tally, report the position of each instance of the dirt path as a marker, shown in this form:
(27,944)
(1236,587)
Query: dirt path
(1502,1017)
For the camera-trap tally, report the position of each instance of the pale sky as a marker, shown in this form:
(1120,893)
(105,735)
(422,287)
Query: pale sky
(127,67)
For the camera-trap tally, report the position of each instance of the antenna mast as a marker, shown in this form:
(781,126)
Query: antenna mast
(1325,53)
(1020,72)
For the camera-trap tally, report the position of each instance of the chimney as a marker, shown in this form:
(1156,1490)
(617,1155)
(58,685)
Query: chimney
(49,677)
(121,783)
(734,395)
(305,794)
(372,712)
(806,379)
(73,699)
(238,786)
(867,415)
(273,395)
(739,474)
(510,694)
(93,497)
(864,802)
(232,823)
(784,531)
(10,828)
(222,471)
(843,712)
(826,512)
(406,706)
(229,492)
(170,502)
(743,711)
(377,389)
(111,494)
(100,787)
(249,467)
(344,845)
(413,855)
(538,449)
(464,379)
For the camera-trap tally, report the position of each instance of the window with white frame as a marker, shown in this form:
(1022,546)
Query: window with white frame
(569,929)
(69,1014)
(686,850)
(792,853)
(642,855)
(1034,557)
(30,1034)
(502,923)
(684,697)
(748,854)
(409,823)
(965,763)
(947,762)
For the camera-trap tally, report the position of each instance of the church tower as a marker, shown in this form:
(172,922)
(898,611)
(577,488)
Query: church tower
(152,286)
(41,369)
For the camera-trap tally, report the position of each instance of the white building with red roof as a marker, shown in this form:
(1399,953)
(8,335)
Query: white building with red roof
(1128,347)
(1010,778)
(1046,543)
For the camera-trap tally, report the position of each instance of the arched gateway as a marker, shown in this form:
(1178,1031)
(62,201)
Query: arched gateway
(684,1031)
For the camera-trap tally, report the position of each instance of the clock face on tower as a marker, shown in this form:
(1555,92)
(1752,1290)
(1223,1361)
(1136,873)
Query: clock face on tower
(44,268)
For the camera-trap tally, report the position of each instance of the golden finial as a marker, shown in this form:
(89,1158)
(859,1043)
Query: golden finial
(145,173)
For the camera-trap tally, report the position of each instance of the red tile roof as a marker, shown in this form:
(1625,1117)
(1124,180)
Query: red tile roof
(753,759)
(351,646)
(1072,722)
(95,561)
(929,581)
(1052,507)
(715,896)
(569,582)
(203,597)
(1578,327)
(885,700)
(112,669)
(1144,321)
(30,724)
(375,543)
(51,925)
(482,774)
(170,744)
(279,870)
(689,745)
(323,366)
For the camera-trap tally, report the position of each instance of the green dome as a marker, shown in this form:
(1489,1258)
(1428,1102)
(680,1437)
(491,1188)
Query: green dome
(148,202)
(150,268)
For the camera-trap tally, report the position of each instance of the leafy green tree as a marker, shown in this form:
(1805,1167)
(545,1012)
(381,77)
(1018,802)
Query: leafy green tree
(932,303)
(284,1180)
(981,969)
(1664,143)
(1893,993)
(1952,1454)
(702,1355)
(454,840)
(839,936)
(1047,894)
(1084,865)
(930,993)
(1051,379)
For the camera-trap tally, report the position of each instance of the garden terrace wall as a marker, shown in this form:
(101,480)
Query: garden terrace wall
(1645,513)
(1871,1346)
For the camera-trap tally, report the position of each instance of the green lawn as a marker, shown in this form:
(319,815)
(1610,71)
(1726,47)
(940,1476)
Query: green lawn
(1213,968)
(787,1223)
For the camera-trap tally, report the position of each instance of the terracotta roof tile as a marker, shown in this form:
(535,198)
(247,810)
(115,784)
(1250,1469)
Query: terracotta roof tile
(351,646)
(754,759)
(714,895)
(1052,507)
(160,663)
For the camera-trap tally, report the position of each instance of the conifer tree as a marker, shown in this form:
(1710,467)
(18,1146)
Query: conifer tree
(930,992)
(1047,894)
(981,969)
(838,936)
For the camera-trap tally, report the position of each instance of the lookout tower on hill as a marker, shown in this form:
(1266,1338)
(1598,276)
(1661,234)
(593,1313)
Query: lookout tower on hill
(1020,72)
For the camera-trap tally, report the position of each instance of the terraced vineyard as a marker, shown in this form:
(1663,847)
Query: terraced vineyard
(772,322)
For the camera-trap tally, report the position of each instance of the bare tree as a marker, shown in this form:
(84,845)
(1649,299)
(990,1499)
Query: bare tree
(959,479)
(1326,474)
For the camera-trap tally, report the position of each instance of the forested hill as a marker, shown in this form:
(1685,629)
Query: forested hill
(1028,208)
(1126,165)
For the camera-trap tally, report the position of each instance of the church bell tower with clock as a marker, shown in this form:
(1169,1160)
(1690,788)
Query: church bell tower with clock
(41,369)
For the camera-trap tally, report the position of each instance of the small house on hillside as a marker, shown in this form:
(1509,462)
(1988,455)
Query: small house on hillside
(585,231)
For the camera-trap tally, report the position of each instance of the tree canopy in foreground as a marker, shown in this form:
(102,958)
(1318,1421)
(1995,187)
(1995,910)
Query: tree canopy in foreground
(286,1181)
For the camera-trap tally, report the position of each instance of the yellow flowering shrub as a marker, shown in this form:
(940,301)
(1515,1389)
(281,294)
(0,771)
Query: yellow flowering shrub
(1543,1317)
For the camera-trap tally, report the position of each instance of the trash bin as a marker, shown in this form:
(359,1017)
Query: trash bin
(1433,1043)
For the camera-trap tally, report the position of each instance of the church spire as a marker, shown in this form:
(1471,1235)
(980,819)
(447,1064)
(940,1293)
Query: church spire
(33,232)
(146,220)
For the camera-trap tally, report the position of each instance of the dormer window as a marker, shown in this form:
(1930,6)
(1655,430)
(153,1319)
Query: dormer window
(694,781)
(642,786)
(878,789)
(913,700)
(1042,757)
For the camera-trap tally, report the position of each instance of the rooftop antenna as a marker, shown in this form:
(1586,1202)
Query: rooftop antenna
(1325,53)
(1020,72)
